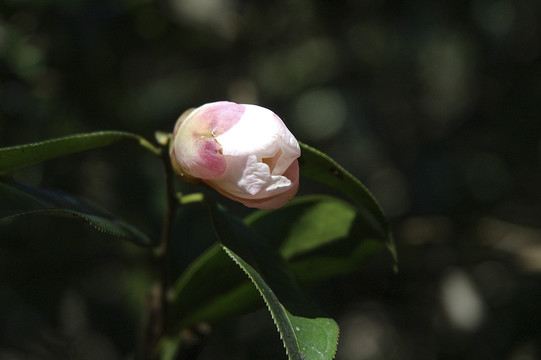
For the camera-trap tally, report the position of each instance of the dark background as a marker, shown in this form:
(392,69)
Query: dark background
(435,106)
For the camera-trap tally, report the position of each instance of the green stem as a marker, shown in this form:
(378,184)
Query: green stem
(171,210)
(157,298)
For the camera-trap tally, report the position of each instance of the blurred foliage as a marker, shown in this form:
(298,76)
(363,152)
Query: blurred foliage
(434,105)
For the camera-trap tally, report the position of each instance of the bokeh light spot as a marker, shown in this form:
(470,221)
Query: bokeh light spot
(320,114)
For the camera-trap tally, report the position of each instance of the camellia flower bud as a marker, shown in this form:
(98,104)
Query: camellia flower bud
(243,151)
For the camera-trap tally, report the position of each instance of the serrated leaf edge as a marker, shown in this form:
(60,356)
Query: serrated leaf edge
(232,255)
(141,140)
(85,217)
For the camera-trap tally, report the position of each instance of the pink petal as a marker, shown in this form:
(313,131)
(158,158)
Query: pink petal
(196,150)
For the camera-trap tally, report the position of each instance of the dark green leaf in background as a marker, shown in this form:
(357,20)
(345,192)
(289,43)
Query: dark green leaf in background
(319,167)
(19,200)
(320,236)
(211,289)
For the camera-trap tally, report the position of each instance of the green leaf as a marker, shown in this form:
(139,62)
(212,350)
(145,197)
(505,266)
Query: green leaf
(15,157)
(19,200)
(320,236)
(304,336)
(212,288)
(319,167)
(305,332)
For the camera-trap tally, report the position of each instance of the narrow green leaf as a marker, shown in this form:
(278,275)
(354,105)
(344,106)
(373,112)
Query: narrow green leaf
(319,167)
(19,200)
(18,156)
(305,332)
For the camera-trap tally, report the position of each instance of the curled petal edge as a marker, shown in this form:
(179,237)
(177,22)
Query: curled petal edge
(272,202)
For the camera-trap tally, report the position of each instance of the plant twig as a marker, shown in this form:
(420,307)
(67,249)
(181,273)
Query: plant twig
(157,298)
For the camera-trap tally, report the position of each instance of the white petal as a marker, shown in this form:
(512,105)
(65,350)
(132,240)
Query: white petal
(259,138)
(290,151)
(256,133)
(258,181)
(262,133)
(271,202)
(253,181)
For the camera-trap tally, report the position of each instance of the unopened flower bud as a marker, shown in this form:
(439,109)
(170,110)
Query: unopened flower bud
(243,151)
